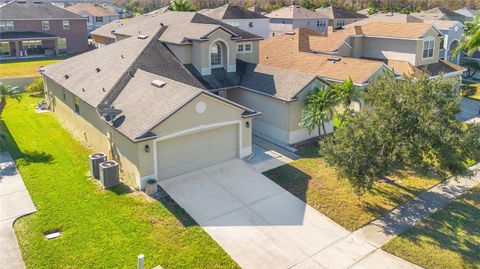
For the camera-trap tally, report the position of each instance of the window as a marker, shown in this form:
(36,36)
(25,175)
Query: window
(62,43)
(318,23)
(216,55)
(98,19)
(6,26)
(244,48)
(5,48)
(32,44)
(234,24)
(340,23)
(308,23)
(248,47)
(77,105)
(66,25)
(250,24)
(45,25)
(240,48)
(428,46)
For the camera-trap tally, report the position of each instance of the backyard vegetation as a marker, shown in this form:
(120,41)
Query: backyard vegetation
(100,228)
(24,68)
(450,238)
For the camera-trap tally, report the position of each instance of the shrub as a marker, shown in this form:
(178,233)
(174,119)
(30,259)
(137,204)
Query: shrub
(36,87)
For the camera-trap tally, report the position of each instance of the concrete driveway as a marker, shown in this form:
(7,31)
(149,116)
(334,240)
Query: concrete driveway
(470,111)
(257,222)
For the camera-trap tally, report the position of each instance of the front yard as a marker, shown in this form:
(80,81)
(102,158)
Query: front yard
(312,181)
(450,238)
(475,94)
(100,228)
(25,68)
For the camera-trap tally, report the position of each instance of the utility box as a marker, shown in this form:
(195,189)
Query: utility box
(109,174)
(95,160)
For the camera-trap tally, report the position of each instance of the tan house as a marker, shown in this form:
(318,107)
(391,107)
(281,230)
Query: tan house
(287,19)
(175,92)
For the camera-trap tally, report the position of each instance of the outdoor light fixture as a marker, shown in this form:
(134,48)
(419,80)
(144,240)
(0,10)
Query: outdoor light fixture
(147,148)
(247,124)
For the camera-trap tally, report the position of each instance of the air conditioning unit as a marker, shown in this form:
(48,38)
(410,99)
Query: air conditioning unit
(95,160)
(109,174)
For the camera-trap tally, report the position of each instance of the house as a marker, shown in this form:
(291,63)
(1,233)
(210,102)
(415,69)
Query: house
(240,17)
(339,17)
(167,96)
(258,10)
(120,11)
(288,18)
(468,13)
(35,28)
(97,16)
(451,30)
(441,13)
(405,47)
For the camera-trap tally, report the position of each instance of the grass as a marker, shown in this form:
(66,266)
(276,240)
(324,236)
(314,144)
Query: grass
(475,95)
(311,180)
(100,228)
(25,67)
(450,238)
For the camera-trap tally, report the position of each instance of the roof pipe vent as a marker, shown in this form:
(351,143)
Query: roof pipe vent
(66,76)
(158,83)
(334,59)
(142,36)
(97,69)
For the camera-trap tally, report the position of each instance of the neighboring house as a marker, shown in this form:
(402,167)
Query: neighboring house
(38,29)
(405,47)
(240,17)
(258,10)
(339,17)
(440,13)
(468,13)
(287,19)
(97,16)
(120,11)
(451,30)
(181,88)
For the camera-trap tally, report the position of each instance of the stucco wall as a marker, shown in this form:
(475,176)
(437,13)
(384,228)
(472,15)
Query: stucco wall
(201,52)
(436,51)
(394,49)
(251,57)
(260,26)
(278,25)
(182,52)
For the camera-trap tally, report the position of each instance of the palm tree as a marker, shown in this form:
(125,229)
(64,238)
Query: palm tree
(471,37)
(318,109)
(7,91)
(180,5)
(346,93)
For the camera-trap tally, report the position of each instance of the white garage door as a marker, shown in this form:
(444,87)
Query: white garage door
(188,153)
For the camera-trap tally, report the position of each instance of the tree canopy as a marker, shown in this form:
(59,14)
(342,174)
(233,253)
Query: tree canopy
(471,37)
(410,123)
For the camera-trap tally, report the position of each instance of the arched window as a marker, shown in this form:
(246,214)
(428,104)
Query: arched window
(216,55)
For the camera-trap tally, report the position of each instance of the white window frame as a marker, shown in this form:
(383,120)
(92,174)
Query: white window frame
(58,43)
(244,47)
(66,25)
(45,25)
(6,26)
(220,57)
(426,42)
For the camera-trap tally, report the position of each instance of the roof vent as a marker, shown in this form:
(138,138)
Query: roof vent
(21,2)
(97,69)
(142,36)
(83,89)
(334,59)
(158,83)
(37,2)
(290,33)
(66,76)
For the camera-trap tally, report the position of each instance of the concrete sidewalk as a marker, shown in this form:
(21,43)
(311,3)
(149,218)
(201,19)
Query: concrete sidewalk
(14,203)
(382,230)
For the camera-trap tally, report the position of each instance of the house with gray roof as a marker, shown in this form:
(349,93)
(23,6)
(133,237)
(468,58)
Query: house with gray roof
(173,94)
(240,17)
(467,12)
(287,19)
(338,17)
(36,28)
(441,13)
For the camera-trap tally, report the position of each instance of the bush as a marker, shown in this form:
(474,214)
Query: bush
(36,87)
(468,90)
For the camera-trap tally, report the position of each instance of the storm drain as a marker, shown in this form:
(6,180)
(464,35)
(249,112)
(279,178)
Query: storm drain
(52,234)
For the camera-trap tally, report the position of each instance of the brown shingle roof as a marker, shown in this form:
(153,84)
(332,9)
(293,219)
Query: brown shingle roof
(435,69)
(295,12)
(90,9)
(339,13)
(392,29)
(283,51)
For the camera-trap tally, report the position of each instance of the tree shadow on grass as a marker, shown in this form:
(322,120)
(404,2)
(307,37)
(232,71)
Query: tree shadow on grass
(292,179)
(25,157)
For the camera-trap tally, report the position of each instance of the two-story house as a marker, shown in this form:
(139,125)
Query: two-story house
(339,17)
(175,92)
(469,13)
(286,19)
(96,15)
(441,13)
(120,11)
(35,28)
(240,17)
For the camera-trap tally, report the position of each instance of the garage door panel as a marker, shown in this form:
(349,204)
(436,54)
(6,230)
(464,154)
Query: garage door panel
(198,150)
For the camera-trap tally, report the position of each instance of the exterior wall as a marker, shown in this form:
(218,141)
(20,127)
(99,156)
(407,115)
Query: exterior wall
(251,57)
(336,23)
(394,49)
(260,26)
(182,52)
(274,119)
(450,36)
(92,24)
(103,40)
(280,26)
(436,51)
(93,131)
(76,37)
(311,24)
(201,52)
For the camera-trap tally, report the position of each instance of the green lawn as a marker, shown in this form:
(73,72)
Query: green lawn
(450,238)
(25,68)
(312,181)
(476,96)
(100,228)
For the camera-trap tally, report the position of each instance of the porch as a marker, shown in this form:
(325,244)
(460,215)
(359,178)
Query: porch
(29,44)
